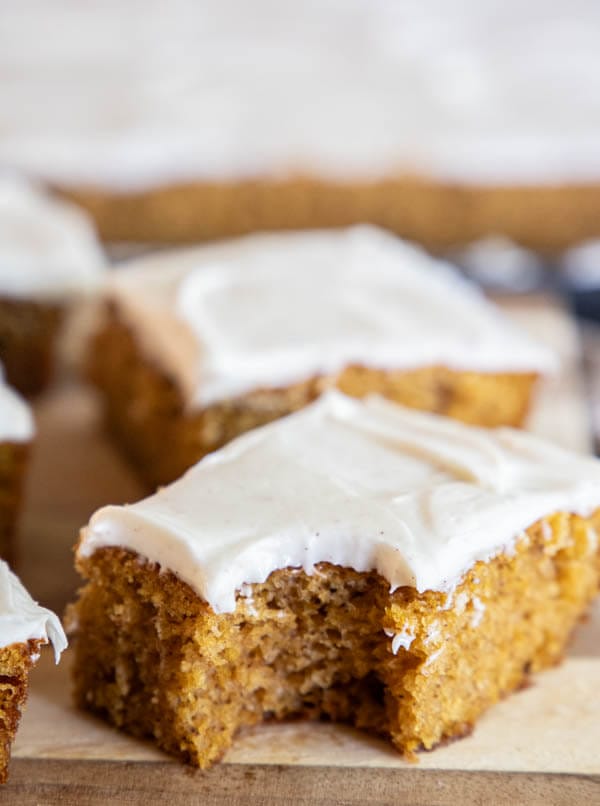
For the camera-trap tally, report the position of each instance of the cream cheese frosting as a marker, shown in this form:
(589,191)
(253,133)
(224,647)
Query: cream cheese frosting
(270,310)
(22,619)
(125,96)
(362,484)
(48,247)
(16,418)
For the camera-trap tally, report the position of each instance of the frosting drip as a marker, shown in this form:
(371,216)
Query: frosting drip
(362,484)
(22,619)
(125,95)
(48,248)
(271,310)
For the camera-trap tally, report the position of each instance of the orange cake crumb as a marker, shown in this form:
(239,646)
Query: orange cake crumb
(155,660)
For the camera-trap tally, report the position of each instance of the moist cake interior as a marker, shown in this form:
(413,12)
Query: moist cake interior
(418,668)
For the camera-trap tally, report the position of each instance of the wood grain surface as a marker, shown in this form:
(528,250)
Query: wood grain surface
(541,745)
(105,782)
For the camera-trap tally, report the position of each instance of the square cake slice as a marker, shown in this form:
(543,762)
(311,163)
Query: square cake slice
(442,121)
(24,628)
(204,344)
(49,256)
(16,433)
(357,561)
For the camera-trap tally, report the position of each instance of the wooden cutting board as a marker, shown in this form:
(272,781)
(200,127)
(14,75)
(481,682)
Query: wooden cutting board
(542,745)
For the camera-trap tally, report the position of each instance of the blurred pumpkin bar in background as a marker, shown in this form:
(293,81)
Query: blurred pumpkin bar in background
(50,259)
(202,344)
(444,121)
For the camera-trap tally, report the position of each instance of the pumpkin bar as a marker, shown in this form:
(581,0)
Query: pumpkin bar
(24,628)
(357,561)
(200,345)
(16,434)
(444,122)
(49,257)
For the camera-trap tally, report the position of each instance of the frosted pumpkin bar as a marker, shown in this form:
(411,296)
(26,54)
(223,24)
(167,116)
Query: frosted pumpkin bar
(16,434)
(356,561)
(442,121)
(24,628)
(203,344)
(49,258)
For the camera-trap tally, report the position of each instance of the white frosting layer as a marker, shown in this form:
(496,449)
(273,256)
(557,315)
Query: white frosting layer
(270,310)
(48,248)
(126,94)
(363,484)
(16,418)
(22,619)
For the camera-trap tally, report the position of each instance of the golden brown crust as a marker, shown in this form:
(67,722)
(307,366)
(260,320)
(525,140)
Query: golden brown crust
(15,663)
(155,660)
(13,463)
(145,409)
(28,333)
(548,218)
